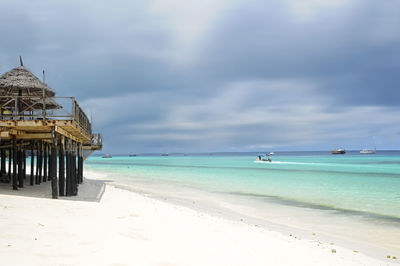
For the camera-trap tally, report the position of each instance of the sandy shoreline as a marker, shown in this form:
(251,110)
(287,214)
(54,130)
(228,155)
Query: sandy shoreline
(127,228)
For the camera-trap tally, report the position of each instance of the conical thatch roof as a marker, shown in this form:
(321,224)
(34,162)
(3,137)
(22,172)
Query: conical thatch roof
(22,80)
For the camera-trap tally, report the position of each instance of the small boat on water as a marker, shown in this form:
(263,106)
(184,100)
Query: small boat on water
(338,151)
(132,155)
(365,151)
(106,156)
(272,153)
(368,151)
(164,154)
(263,158)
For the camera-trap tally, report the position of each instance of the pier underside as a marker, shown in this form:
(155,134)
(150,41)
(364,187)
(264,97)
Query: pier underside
(48,143)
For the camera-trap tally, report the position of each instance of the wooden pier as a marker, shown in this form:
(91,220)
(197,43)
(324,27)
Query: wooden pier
(53,131)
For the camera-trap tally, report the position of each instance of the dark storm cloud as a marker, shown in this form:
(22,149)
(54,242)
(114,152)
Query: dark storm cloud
(352,52)
(240,75)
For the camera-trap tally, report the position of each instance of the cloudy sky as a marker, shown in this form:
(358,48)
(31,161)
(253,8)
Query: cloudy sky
(218,75)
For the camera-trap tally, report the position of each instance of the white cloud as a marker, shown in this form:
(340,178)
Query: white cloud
(310,10)
(250,115)
(188,22)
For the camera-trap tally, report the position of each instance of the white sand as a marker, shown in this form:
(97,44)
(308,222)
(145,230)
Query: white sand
(127,228)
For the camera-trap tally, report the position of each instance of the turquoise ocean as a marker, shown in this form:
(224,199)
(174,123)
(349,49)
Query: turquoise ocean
(317,191)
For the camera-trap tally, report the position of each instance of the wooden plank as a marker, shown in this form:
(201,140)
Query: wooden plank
(4,134)
(65,133)
(34,136)
(36,123)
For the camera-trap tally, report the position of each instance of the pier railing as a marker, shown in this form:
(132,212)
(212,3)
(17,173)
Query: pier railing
(44,108)
(96,140)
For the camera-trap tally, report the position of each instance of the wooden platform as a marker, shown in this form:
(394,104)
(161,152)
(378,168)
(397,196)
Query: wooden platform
(36,129)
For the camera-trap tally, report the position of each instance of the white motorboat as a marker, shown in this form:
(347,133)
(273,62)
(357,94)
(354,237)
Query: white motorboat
(338,151)
(365,151)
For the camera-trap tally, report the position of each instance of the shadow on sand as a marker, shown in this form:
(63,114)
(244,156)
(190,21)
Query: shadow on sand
(90,190)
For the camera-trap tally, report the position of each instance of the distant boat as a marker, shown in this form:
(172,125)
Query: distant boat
(368,151)
(271,153)
(338,151)
(365,151)
(263,158)
(107,156)
(132,155)
(164,154)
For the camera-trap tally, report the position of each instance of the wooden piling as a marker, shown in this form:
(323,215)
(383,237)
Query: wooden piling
(40,161)
(61,171)
(49,160)
(80,163)
(53,162)
(32,161)
(45,162)
(19,165)
(3,164)
(73,170)
(14,173)
(67,167)
(37,164)
(24,163)
(9,163)
(37,178)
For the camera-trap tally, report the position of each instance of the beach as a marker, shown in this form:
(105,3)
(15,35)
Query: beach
(106,225)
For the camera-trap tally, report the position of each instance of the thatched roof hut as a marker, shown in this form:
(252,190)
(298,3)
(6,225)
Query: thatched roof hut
(21,82)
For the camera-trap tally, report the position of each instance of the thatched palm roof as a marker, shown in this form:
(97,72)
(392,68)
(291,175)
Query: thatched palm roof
(21,80)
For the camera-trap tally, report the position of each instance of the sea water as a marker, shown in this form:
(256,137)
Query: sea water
(355,196)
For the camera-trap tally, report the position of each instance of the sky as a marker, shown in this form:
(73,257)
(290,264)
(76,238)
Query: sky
(218,75)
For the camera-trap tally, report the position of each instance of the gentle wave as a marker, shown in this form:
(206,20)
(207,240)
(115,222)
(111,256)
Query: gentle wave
(311,205)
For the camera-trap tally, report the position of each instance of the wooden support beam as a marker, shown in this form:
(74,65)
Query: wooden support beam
(10,145)
(32,161)
(4,134)
(9,163)
(61,172)
(53,174)
(23,128)
(39,163)
(49,160)
(29,136)
(3,175)
(24,162)
(66,133)
(45,157)
(73,171)
(80,163)
(34,123)
(20,167)
(14,174)
(68,167)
